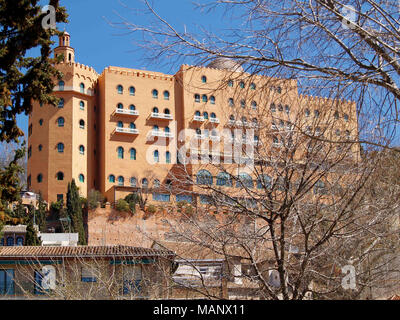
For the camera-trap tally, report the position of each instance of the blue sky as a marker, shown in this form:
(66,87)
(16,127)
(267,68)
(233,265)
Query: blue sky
(98,44)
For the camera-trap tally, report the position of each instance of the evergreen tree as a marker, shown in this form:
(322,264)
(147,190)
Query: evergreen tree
(74,211)
(31,237)
(41,215)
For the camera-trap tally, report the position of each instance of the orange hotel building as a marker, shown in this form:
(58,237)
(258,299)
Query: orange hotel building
(105,132)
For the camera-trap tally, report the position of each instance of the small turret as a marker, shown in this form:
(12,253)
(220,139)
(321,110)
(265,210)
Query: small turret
(64,48)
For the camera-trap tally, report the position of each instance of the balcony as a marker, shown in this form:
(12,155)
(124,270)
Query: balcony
(215,138)
(201,136)
(127,112)
(126,130)
(162,134)
(198,119)
(164,116)
(214,120)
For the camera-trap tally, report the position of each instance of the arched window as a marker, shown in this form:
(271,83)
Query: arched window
(204,79)
(132,91)
(155,110)
(111,178)
(166,111)
(307,112)
(61,85)
(287,109)
(82,88)
(167,129)
(336,115)
(41,122)
(244,120)
(205,115)
(230,83)
(156,156)
(132,107)
(155,127)
(204,177)
(264,181)
(168,157)
(82,105)
(316,113)
(213,115)
(197,113)
(82,124)
(60,122)
(272,107)
(232,117)
(212,100)
(198,130)
(121,180)
(120,106)
(120,124)
(230,102)
(133,181)
(10,241)
(244,180)
(20,241)
(224,179)
(120,152)
(60,176)
(132,126)
(60,147)
(166,95)
(346,117)
(197,97)
(204,98)
(156,183)
(155,94)
(241,84)
(39,178)
(81,149)
(133,154)
(280,107)
(40,147)
(120,89)
(145,183)
(61,103)
(242,103)
(81,178)
(254,105)
(253,86)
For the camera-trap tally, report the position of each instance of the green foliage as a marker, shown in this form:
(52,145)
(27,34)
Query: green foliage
(10,184)
(122,206)
(41,214)
(133,199)
(31,238)
(22,78)
(185,207)
(151,209)
(74,211)
(94,197)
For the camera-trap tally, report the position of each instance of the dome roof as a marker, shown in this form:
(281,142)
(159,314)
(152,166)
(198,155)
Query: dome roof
(226,63)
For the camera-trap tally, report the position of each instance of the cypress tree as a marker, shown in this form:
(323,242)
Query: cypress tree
(41,215)
(74,211)
(31,237)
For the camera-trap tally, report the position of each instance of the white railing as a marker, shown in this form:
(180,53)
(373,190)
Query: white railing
(198,118)
(214,120)
(156,133)
(128,112)
(127,130)
(215,138)
(161,116)
(88,92)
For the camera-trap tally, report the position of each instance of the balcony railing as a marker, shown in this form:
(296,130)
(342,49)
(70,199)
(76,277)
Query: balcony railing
(166,116)
(163,134)
(127,112)
(198,118)
(214,120)
(127,130)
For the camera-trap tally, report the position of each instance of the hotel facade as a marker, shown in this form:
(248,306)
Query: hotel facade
(120,131)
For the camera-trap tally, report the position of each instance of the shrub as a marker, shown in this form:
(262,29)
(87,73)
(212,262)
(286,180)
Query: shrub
(122,205)
(151,209)
(94,197)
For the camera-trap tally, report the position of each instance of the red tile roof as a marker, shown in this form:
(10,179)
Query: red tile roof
(81,251)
